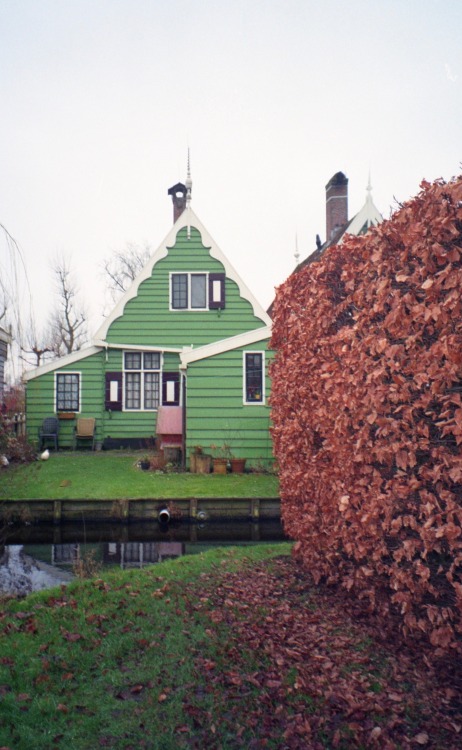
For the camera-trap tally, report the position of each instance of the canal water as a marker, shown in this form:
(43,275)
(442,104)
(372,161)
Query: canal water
(33,558)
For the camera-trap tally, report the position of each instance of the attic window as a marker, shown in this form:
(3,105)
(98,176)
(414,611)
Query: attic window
(197,291)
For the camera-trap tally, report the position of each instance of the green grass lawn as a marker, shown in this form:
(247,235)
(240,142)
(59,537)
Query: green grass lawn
(110,663)
(234,648)
(116,476)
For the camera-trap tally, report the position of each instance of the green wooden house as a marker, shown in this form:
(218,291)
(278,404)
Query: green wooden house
(182,357)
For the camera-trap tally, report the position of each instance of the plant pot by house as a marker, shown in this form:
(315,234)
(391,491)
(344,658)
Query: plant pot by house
(192,462)
(238,465)
(157,462)
(220,465)
(203,463)
(145,464)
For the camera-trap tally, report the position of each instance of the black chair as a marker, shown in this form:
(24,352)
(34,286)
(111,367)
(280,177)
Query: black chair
(49,432)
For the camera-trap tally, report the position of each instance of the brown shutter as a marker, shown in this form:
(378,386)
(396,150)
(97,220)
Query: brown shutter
(171,377)
(108,404)
(217,304)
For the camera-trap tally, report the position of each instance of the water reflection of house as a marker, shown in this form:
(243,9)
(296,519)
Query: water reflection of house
(137,554)
(64,554)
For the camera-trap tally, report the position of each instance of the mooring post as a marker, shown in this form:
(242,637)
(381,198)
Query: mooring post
(57,511)
(193,508)
(255,508)
(125,510)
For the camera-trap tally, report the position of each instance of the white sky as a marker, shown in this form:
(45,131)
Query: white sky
(101,98)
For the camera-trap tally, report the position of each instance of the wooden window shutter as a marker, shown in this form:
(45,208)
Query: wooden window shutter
(113,391)
(217,291)
(171,388)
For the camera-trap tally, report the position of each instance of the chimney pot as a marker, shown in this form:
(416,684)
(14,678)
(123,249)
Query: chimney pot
(178,193)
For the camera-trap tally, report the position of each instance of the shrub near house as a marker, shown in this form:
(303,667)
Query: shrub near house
(368,428)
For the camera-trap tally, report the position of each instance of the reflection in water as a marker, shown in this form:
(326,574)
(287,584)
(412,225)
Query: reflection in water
(138,554)
(47,557)
(21,574)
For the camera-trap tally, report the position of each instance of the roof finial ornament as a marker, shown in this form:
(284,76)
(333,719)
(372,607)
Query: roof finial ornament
(296,254)
(188,184)
(369,188)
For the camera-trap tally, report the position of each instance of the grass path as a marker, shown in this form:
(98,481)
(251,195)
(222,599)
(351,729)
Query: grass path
(229,649)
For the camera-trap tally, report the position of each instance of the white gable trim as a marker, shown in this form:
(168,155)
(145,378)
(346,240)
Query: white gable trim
(369,213)
(138,347)
(4,336)
(57,364)
(187,219)
(225,345)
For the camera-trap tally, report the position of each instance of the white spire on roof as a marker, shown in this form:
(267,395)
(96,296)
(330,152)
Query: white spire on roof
(188,184)
(369,189)
(368,216)
(296,254)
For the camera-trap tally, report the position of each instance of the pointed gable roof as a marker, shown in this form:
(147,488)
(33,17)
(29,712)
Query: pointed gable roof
(187,219)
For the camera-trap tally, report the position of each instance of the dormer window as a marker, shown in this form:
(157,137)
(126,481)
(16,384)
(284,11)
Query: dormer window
(197,291)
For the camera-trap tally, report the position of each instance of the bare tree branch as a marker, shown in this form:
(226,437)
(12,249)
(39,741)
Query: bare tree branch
(68,329)
(123,267)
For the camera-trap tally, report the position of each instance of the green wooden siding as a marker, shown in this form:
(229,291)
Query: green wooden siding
(148,321)
(40,397)
(133,425)
(216,413)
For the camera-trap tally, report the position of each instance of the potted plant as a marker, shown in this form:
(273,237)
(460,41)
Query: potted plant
(144,463)
(221,456)
(237,465)
(196,451)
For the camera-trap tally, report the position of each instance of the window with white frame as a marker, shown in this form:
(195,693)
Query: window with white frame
(142,380)
(188,291)
(197,291)
(67,391)
(254,377)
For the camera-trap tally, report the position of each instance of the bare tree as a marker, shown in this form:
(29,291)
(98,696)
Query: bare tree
(68,320)
(123,267)
(37,346)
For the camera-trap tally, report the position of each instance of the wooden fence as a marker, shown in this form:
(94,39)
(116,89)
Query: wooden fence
(16,424)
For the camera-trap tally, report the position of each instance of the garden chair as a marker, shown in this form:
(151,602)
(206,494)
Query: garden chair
(85,430)
(49,432)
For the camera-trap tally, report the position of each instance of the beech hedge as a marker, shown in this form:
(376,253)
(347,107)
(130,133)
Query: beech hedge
(367,414)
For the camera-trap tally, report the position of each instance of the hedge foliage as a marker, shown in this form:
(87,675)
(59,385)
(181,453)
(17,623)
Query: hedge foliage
(367,414)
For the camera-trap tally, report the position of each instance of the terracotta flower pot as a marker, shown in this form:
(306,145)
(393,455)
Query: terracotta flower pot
(220,465)
(238,465)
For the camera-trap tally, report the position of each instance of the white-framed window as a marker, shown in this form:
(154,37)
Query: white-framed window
(142,380)
(188,291)
(254,377)
(197,291)
(67,391)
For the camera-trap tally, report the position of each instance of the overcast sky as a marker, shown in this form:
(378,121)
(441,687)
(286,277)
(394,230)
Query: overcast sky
(100,100)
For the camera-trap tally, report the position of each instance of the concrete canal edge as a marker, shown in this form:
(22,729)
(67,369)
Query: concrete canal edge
(125,511)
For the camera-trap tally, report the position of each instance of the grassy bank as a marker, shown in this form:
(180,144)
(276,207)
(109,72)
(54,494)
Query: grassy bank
(223,650)
(116,476)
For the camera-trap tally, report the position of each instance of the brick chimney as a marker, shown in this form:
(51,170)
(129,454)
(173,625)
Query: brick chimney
(336,204)
(178,193)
